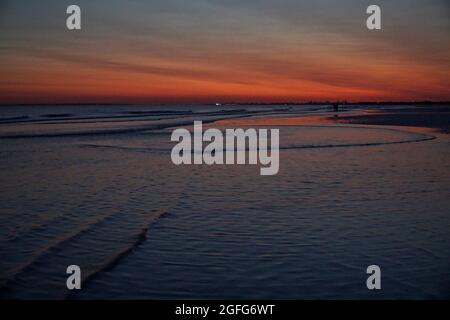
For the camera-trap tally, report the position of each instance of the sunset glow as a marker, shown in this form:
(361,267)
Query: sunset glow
(210,51)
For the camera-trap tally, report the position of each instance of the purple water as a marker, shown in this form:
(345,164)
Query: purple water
(95,186)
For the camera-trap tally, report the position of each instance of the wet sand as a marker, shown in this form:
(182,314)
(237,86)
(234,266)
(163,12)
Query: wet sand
(436,117)
(418,119)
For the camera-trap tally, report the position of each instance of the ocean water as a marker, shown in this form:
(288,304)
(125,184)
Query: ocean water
(95,186)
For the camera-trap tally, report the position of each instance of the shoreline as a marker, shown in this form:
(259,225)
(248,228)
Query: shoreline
(437,119)
(423,119)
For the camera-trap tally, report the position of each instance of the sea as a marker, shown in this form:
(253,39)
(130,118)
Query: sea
(94,186)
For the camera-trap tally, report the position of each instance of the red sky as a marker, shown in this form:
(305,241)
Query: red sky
(209,51)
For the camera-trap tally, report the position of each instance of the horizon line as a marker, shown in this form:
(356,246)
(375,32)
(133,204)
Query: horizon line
(341,102)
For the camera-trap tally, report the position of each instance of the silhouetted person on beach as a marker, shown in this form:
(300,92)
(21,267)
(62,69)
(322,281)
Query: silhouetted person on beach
(335,107)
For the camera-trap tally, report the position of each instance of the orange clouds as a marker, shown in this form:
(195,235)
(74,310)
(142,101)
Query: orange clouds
(209,53)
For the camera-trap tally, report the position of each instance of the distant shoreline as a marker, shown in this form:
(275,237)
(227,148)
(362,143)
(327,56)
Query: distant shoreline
(428,117)
(432,116)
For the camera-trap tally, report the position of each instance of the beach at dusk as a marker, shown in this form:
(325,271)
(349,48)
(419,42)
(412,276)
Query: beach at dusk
(211,150)
(94,184)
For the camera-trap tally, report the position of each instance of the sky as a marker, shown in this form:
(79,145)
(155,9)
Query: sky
(206,51)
